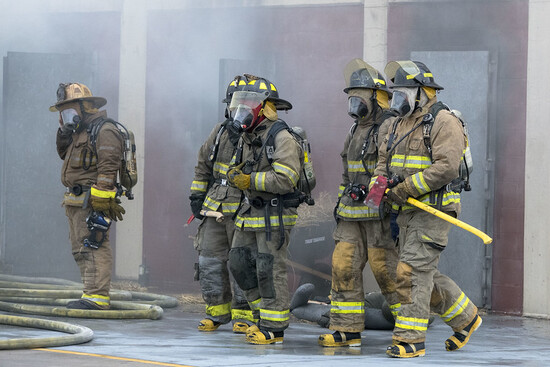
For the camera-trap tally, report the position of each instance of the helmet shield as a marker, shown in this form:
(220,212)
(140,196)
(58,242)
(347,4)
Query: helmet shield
(359,74)
(238,83)
(246,107)
(410,74)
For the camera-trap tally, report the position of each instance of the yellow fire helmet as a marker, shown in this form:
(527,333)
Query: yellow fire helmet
(72,92)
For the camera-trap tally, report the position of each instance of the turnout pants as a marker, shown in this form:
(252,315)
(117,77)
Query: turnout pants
(420,286)
(259,267)
(213,242)
(356,243)
(95,264)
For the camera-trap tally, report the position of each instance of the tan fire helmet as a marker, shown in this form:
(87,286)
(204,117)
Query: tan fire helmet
(72,92)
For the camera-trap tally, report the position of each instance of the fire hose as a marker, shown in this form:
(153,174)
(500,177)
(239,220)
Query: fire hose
(47,296)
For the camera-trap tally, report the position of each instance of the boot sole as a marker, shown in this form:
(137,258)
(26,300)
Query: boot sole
(265,342)
(349,343)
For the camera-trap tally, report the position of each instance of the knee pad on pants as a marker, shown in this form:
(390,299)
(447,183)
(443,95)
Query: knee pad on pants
(404,282)
(265,275)
(243,267)
(344,262)
(213,278)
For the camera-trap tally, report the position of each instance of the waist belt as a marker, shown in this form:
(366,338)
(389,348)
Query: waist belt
(291,200)
(78,189)
(221,181)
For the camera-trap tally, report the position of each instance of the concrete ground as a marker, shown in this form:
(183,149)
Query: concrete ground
(175,341)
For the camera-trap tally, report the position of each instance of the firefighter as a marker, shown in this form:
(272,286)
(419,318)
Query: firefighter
(89,173)
(361,233)
(210,191)
(267,174)
(421,164)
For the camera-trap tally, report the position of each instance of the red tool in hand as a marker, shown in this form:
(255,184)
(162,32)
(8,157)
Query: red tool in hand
(377,192)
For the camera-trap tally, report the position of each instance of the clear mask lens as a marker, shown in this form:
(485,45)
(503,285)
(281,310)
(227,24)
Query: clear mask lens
(403,101)
(70,117)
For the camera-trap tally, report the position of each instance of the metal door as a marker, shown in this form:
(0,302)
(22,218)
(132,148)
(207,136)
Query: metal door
(465,75)
(33,226)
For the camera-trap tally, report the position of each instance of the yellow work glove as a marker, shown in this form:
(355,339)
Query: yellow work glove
(237,178)
(106,201)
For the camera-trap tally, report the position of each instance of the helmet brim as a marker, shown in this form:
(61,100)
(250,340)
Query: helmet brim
(281,104)
(98,102)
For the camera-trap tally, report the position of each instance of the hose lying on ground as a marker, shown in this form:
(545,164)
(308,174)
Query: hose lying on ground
(48,296)
(80,334)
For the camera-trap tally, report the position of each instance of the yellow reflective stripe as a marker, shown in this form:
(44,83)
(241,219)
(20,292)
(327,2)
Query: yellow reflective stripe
(255,305)
(411,323)
(381,81)
(457,308)
(372,180)
(411,161)
(237,314)
(341,189)
(285,170)
(429,75)
(102,194)
(199,185)
(99,299)
(233,160)
(221,168)
(229,208)
(274,315)
(259,222)
(448,198)
(259,181)
(347,307)
(357,166)
(411,76)
(211,203)
(218,310)
(360,211)
(395,309)
(420,184)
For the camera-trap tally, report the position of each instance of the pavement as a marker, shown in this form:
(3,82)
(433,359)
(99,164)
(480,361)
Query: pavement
(175,341)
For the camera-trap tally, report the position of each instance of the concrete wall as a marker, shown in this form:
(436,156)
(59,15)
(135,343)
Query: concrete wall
(536,292)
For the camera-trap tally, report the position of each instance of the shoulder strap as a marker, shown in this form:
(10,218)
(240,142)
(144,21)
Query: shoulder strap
(428,122)
(269,143)
(214,149)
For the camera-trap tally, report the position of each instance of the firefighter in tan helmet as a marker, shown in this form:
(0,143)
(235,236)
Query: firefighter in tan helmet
(421,156)
(89,173)
(362,234)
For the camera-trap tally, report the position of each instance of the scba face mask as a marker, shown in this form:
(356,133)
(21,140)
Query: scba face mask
(246,107)
(403,101)
(71,119)
(357,108)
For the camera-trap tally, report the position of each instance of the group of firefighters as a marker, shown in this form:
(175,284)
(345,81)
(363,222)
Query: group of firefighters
(245,191)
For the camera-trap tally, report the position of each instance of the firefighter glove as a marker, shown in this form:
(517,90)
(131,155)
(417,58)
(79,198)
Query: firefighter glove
(196,204)
(106,201)
(237,178)
(398,195)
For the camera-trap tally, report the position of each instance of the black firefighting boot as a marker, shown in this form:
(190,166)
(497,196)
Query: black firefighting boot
(406,350)
(208,325)
(340,339)
(460,338)
(84,304)
(265,337)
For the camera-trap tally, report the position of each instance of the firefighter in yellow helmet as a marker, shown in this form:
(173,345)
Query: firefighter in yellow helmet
(421,164)
(267,173)
(362,234)
(211,193)
(89,174)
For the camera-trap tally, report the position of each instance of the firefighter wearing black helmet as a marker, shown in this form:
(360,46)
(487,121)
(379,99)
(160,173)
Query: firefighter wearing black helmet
(423,171)
(362,234)
(268,180)
(210,192)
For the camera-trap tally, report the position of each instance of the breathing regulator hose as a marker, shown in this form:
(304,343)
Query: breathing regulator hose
(49,296)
